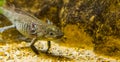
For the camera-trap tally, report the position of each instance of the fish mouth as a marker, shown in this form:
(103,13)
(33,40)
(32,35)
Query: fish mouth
(60,36)
(54,37)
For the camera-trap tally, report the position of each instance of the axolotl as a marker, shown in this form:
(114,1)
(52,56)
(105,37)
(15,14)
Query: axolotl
(30,26)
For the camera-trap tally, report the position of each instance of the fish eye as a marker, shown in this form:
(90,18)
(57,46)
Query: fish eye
(51,33)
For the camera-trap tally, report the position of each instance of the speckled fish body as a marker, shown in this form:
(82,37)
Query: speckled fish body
(30,26)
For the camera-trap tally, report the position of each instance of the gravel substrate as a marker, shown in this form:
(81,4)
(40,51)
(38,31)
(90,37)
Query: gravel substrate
(16,52)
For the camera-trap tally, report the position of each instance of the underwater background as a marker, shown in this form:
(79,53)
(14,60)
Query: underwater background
(87,24)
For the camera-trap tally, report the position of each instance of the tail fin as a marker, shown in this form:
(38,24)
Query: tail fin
(2,2)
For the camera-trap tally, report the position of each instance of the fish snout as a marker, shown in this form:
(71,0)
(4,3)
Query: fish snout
(60,35)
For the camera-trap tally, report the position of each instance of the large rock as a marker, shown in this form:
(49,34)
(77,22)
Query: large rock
(84,22)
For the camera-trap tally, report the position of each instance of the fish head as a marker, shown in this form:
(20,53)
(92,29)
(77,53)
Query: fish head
(53,32)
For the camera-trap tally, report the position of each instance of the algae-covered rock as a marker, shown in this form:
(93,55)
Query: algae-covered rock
(89,24)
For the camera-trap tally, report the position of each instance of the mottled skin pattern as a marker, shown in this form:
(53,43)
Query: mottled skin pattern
(30,26)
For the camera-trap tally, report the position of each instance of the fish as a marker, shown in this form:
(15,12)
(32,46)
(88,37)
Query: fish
(30,26)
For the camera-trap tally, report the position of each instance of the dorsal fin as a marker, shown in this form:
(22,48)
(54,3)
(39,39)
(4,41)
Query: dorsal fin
(25,13)
(12,7)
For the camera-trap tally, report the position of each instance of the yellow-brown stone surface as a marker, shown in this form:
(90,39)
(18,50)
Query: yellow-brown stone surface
(87,24)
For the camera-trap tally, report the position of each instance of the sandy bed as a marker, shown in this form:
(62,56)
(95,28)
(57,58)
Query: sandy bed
(16,52)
